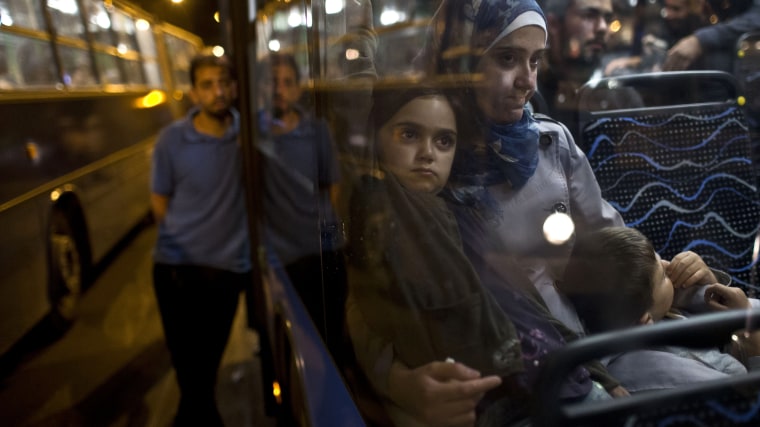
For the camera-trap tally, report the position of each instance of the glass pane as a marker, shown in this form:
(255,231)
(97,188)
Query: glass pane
(124,27)
(181,52)
(66,18)
(26,62)
(98,22)
(24,13)
(456,135)
(108,67)
(77,68)
(146,42)
(134,71)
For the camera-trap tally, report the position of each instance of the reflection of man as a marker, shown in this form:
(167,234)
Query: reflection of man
(578,35)
(302,227)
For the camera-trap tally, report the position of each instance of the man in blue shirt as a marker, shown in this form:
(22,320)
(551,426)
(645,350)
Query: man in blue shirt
(202,253)
(300,192)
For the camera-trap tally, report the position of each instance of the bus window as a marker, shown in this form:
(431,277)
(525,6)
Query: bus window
(124,28)
(134,71)
(181,53)
(77,68)
(98,22)
(108,67)
(35,61)
(22,13)
(66,18)
(146,43)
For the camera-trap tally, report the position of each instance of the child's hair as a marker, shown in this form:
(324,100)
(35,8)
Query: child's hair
(388,101)
(610,278)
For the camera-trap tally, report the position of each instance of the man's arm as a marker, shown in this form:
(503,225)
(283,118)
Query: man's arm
(159,204)
(721,36)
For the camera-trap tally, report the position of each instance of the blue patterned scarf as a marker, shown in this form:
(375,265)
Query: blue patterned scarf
(510,155)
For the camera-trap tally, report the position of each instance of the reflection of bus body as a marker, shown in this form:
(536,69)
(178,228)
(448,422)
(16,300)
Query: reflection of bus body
(79,112)
(323,38)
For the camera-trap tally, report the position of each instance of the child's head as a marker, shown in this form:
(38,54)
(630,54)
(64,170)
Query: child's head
(615,279)
(415,136)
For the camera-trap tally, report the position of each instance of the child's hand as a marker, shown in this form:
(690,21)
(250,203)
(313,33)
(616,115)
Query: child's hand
(688,269)
(721,297)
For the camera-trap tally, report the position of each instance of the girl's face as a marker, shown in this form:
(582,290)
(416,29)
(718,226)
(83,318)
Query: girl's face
(509,70)
(417,144)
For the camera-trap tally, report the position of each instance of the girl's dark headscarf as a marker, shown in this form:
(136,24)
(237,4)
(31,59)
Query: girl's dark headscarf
(459,34)
(410,277)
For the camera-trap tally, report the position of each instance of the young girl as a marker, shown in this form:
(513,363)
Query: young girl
(412,291)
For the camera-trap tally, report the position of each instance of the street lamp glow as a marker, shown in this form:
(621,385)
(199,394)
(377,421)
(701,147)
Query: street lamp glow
(333,6)
(294,19)
(142,25)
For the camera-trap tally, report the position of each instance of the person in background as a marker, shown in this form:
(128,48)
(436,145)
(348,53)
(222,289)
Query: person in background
(616,280)
(300,191)
(712,47)
(202,253)
(680,18)
(578,36)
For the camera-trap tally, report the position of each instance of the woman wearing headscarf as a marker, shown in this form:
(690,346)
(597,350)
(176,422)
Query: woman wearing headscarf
(510,173)
(518,169)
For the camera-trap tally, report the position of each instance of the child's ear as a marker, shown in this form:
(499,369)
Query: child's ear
(646,319)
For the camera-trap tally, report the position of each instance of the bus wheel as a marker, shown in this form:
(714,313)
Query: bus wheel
(66,269)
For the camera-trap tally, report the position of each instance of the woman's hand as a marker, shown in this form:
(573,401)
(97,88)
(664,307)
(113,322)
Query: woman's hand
(689,269)
(439,393)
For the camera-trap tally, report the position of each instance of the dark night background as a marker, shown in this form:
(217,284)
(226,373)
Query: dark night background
(196,16)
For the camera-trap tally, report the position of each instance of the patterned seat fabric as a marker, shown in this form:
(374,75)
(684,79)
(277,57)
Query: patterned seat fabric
(682,175)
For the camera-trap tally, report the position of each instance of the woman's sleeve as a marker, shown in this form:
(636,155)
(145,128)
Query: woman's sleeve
(588,208)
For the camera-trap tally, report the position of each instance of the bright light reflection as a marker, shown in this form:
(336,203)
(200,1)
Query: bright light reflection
(102,20)
(68,7)
(142,25)
(352,54)
(558,228)
(5,19)
(217,18)
(294,19)
(122,48)
(176,1)
(217,51)
(615,26)
(274,45)
(390,16)
(152,99)
(333,6)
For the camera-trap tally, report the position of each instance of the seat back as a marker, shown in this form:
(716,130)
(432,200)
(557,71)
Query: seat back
(679,167)
(733,401)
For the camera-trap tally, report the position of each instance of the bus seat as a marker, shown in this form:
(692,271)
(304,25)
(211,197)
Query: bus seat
(731,401)
(679,169)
